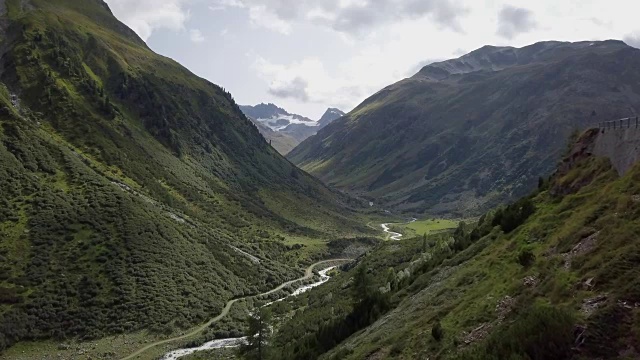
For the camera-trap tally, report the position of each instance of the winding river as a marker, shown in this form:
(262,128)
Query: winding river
(234,342)
(392,234)
(308,275)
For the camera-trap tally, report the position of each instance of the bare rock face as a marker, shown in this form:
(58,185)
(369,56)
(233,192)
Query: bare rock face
(621,145)
(582,149)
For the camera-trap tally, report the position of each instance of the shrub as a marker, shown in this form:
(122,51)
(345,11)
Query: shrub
(526,258)
(437,332)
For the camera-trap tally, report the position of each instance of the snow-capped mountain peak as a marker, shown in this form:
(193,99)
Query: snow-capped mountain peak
(294,127)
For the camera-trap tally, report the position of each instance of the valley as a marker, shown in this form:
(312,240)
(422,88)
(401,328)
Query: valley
(127,213)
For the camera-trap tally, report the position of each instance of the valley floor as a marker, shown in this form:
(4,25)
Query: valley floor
(142,345)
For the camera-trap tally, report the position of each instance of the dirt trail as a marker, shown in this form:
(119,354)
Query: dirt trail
(307,275)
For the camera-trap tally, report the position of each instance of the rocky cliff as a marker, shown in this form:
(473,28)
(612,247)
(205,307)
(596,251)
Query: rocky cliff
(621,145)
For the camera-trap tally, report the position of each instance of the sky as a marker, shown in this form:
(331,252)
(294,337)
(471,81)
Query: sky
(307,55)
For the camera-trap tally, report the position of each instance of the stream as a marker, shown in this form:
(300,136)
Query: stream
(394,235)
(235,342)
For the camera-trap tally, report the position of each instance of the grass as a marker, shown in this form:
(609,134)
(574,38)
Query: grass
(109,347)
(480,295)
(428,226)
(90,259)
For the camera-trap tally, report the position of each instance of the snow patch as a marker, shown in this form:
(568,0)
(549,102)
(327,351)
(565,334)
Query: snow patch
(276,121)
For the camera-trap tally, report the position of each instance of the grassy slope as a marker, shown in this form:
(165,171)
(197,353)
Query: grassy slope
(480,295)
(470,142)
(127,181)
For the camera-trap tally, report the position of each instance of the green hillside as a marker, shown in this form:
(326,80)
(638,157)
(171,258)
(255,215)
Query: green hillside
(551,276)
(135,195)
(464,135)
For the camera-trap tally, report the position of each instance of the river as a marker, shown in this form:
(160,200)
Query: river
(234,342)
(394,235)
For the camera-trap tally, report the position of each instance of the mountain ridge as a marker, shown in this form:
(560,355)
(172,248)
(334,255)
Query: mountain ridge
(285,130)
(495,58)
(432,143)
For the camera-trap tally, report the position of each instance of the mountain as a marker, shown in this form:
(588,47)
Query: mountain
(287,130)
(280,140)
(274,117)
(463,135)
(551,276)
(135,195)
(329,116)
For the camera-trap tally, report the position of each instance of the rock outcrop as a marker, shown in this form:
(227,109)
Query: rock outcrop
(620,145)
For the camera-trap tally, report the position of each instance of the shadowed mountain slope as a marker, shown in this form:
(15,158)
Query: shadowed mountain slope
(468,133)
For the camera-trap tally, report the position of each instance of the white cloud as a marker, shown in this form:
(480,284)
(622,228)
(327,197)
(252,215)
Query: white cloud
(338,52)
(223,4)
(365,71)
(262,16)
(145,16)
(290,81)
(196,36)
(353,17)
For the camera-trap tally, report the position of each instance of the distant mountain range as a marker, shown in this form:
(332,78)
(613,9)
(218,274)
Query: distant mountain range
(283,129)
(465,134)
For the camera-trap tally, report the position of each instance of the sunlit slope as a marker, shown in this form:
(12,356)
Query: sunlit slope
(135,195)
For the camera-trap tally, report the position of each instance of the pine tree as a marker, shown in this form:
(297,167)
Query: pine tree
(362,286)
(424,242)
(257,334)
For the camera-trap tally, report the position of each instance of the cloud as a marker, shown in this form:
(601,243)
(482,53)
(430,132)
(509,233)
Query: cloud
(223,4)
(352,17)
(196,36)
(321,81)
(596,21)
(261,16)
(633,40)
(513,21)
(290,81)
(294,89)
(145,16)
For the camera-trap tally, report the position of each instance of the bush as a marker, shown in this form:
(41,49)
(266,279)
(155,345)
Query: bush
(437,332)
(526,258)
(516,214)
